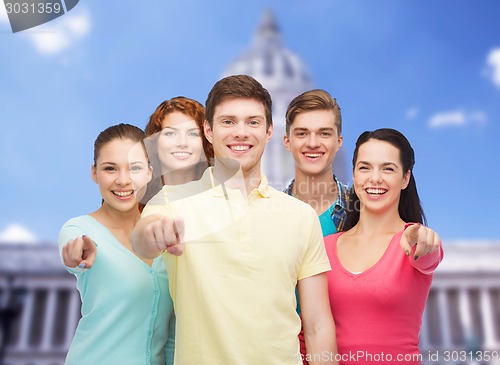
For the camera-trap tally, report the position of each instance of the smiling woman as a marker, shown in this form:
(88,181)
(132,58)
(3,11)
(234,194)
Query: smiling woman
(379,177)
(123,296)
(121,171)
(380,157)
(176,145)
(383,265)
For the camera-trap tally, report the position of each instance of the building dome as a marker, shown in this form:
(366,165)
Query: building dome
(277,68)
(285,76)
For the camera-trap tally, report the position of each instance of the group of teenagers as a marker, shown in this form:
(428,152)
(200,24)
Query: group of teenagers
(194,258)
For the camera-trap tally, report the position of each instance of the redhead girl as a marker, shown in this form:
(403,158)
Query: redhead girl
(176,144)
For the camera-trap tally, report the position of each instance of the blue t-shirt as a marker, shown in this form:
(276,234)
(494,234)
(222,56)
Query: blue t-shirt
(127,312)
(327,224)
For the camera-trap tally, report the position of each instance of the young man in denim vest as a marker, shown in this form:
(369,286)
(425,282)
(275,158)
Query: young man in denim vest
(313,136)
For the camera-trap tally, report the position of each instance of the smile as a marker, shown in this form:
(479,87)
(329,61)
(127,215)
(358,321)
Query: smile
(376,191)
(239,147)
(181,154)
(122,194)
(313,154)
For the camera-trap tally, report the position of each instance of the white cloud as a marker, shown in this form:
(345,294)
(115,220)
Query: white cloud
(79,24)
(16,233)
(3,14)
(457,118)
(493,66)
(412,113)
(52,39)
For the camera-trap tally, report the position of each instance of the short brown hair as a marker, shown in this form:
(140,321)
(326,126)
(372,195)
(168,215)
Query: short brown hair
(238,86)
(316,99)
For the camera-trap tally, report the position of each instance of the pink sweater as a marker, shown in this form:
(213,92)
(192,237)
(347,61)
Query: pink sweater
(378,313)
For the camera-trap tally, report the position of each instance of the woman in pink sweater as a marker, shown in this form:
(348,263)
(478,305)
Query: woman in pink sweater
(382,266)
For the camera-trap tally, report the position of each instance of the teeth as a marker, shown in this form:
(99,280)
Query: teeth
(375,191)
(313,154)
(123,193)
(181,154)
(240,148)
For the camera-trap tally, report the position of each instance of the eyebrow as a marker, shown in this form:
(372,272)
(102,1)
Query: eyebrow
(176,129)
(235,117)
(320,129)
(114,163)
(383,163)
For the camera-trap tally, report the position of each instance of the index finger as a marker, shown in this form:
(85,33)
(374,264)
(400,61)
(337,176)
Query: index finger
(411,234)
(178,228)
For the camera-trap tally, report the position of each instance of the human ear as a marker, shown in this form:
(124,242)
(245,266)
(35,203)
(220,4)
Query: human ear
(208,131)
(269,133)
(150,173)
(406,179)
(286,141)
(339,142)
(93,174)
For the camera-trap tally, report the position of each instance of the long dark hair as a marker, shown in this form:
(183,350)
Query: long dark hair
(410,208)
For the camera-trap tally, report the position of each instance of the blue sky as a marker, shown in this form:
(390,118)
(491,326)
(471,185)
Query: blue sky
(429,69)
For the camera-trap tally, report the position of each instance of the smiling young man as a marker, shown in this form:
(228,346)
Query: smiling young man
(246,247)
(314,136)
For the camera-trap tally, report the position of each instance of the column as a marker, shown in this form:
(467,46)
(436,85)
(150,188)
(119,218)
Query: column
(48,321)
(26,320)
(487,319)
(424,330)
(444,319)
(465,315)
(72,321)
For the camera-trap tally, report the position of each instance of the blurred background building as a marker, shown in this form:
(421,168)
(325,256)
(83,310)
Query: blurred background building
(40,307)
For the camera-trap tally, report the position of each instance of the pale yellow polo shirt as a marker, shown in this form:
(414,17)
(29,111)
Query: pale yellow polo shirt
(234,287)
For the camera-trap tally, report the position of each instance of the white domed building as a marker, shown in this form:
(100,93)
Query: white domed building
(40,306)
(285,76)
